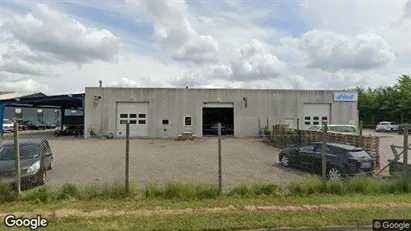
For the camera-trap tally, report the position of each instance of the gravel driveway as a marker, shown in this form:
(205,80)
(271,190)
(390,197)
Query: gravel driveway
(88,162)
(386,140)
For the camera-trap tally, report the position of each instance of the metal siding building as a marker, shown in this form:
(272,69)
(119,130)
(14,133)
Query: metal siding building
(105,107)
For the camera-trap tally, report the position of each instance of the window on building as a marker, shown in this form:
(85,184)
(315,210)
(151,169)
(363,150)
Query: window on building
(18,113)
(133,115)
(316,118)
(316,123)
(123,116)
(165,122)
(188,121)
(123,121)
(142,116)
(133,121)
(40,114)
(142,122)
(307,120)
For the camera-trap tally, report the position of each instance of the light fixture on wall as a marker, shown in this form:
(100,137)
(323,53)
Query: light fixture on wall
(96,100)
(245,101)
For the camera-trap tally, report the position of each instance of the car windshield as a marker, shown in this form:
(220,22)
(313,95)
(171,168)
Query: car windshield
(7,121)
(27,151)
(358,153)
(384,123)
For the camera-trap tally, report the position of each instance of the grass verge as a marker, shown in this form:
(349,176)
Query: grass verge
(231,221)
(178,196)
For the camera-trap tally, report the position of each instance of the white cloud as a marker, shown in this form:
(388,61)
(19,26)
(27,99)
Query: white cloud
(256,61)
(47,30)
(124,82)
(175,33)
(333,52)
(203,44)
(23,85)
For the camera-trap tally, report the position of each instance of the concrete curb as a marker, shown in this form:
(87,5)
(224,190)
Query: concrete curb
(327,228)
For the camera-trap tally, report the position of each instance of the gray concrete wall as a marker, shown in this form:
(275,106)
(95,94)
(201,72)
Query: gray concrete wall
(174,104)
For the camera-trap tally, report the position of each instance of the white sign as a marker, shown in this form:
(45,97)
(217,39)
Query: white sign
(346,96)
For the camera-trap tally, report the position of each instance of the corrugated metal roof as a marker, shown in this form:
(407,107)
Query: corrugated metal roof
(14,95)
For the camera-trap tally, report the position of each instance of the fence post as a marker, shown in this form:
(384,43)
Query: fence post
(361,138)
(405,158)
(298,132)
(220,171)
(324,152)
(17,163)
(127,178)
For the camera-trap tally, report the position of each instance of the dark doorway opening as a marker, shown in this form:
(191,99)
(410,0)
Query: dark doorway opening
(213,116)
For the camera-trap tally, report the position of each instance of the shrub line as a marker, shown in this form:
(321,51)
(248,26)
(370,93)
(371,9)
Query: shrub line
(190,192)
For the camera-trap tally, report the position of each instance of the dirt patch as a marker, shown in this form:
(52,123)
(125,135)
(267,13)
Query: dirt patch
(64,213)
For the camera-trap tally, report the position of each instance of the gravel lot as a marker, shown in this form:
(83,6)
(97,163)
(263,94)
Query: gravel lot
(387,139)
(88,162)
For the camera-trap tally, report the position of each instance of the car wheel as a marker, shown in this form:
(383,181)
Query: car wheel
(285,161)
(42,178)
(50,167)
(334,173)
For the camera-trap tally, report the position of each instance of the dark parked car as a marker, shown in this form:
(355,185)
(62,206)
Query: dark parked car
(36,125)
(50,125)
(342,160)
(401,129)
(36,158)
(72,129)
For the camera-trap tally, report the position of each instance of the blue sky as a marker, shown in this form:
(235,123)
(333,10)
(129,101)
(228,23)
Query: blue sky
(228,43)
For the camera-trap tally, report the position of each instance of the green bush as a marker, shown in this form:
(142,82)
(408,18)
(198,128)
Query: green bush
(267,131)
(40,195)
(68,191)
(266,189)
(395,186)
(363,185)
(241,190)
(7,194)
(181,191)
(315,185)
(255,190)
(336,187)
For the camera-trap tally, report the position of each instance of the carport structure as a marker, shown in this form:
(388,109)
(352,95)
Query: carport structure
(40,100)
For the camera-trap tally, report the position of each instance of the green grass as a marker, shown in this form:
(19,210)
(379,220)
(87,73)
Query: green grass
(231,221)
(193,195)
(129,204)
(359,185)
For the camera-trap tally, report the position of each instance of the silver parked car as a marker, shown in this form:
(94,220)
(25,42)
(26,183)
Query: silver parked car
(8,125)
(386,126)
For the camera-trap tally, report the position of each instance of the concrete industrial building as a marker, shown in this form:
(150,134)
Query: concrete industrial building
(167,112)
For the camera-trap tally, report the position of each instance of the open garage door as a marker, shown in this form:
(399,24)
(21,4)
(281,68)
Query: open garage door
(214,113)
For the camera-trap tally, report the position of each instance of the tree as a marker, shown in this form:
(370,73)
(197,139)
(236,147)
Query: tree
(403,87)
(385,103)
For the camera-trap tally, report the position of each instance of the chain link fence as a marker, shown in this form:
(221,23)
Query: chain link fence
(280,155)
